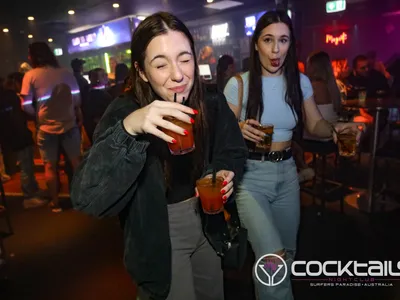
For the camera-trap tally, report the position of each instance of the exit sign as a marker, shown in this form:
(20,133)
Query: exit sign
(335,6)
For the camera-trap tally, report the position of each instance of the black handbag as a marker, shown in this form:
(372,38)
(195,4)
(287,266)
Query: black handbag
(226,236)
(235,240)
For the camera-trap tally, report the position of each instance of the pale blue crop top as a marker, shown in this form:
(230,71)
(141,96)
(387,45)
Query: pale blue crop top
(276,110)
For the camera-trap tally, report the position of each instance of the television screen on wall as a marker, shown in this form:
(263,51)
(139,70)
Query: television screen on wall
(251,22)
(106,35)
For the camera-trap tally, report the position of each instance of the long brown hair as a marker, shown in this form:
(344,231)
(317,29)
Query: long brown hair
(293,94)
(155,25)
(42,56)
(319,68)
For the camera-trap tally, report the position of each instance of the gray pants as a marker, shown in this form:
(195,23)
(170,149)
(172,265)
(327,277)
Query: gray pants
(196,268)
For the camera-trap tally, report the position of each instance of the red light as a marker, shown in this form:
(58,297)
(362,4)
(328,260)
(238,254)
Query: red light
(330,39)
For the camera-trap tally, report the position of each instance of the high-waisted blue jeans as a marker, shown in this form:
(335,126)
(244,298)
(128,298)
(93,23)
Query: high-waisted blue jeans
(268,202)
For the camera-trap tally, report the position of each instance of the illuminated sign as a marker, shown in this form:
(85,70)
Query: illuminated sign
(251,22)
(336,40)
(335,6)
(219,32)
(58,52)
(106,35)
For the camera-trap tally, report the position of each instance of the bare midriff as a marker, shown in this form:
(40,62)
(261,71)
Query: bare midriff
(280,146)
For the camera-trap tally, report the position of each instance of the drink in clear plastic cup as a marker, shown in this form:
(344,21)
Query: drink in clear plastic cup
(184,143)
(210,194)
(347,143)
(265,145)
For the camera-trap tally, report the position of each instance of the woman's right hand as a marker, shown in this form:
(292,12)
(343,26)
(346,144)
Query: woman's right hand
(150,117)
(250,133)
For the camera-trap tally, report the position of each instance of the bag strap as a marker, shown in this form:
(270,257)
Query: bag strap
(240,95)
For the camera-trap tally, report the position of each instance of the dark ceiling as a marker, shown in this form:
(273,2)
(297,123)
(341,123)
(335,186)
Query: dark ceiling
(51,16)
(53,19)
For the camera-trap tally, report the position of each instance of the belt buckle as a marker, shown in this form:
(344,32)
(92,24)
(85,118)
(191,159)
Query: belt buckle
(275,156)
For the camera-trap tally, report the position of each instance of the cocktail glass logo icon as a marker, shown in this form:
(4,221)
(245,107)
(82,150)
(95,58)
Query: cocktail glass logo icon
(268,267)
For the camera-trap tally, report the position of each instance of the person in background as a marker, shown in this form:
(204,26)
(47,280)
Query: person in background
(130,171)
(113,64)
(16,137)
(128,84)
(378,65)
(94,106)
(276,93)
(373,82)
(366,78)
(225,70)
(326,96)
(58,112)
(25,67)
(77,68)
(121,73)
(326,91)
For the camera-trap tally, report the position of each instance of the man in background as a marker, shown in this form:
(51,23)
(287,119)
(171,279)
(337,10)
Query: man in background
(77,68)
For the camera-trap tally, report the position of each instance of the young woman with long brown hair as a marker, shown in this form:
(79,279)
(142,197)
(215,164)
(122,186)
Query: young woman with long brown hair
(130,171)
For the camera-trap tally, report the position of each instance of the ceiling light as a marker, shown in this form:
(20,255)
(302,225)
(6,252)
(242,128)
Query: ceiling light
(31,18)
(5,30)
(210,1)
(71,12)
(50,40)
(221,5)
(30,36)
(115,5)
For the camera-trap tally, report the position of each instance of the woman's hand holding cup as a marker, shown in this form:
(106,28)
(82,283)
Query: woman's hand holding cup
(149,118)
(250,133)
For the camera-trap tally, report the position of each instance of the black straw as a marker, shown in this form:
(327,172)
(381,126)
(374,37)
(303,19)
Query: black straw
(183,101)
(175,97)
(214,176)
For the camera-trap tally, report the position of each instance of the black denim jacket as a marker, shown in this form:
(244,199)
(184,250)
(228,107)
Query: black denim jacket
(117,177)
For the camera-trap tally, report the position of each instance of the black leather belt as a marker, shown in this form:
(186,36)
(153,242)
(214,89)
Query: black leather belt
(273,156)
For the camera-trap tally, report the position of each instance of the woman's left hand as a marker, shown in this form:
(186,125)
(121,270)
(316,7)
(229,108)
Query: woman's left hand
(227,188)
(351,126)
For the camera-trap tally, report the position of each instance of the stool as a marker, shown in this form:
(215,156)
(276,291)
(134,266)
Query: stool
(321,150)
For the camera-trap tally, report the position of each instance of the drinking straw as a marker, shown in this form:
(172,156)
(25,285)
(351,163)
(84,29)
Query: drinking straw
(175,97)
(214,176)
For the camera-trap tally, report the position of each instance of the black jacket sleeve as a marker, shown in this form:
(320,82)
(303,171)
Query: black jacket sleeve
(107,178)
(228,149)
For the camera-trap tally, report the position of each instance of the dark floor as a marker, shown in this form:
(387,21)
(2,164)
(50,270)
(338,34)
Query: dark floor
(75,257)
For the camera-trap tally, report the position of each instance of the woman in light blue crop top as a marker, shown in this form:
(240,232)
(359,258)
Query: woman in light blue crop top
(268,198)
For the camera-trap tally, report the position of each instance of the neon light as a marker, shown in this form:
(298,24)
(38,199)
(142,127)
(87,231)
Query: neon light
(107,61)
(100,87)
(47,97)
(330,39)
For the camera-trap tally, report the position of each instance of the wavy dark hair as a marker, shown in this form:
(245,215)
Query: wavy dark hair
(319,68)
(293,95)
(42,56)
(223,63)
(155,25)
